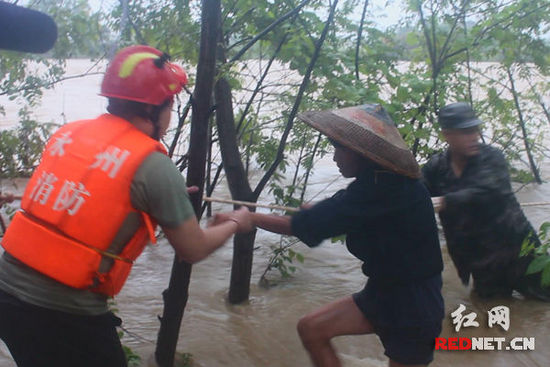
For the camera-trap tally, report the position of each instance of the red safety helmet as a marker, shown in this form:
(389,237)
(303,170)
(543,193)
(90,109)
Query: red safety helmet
(142,74)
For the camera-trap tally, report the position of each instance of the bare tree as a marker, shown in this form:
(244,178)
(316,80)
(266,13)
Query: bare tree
(175,297)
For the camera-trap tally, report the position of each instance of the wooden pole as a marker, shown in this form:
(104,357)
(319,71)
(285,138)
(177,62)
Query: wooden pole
(248,203)
(291,209)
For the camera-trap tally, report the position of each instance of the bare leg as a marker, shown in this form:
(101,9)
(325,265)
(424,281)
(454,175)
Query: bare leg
(316,329)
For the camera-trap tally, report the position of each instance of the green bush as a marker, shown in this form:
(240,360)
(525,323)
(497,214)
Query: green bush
(541,261)
(21,147)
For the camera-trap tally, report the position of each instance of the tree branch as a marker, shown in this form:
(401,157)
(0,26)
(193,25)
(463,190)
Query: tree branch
(267,30)
(359,35)
(305,82)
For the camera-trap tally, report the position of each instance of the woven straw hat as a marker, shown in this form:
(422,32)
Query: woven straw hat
(369,131)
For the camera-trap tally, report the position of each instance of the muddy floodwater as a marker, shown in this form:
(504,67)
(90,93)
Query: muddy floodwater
(261,332)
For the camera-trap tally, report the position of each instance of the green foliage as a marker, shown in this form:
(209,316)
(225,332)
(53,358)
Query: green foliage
(24,76)
(183,360)
(438,38)
(80,30)
(541,261)
(339,239)
(169,25)
(7,211)
(133,359)
(22,146)
(442,39)
(282,259)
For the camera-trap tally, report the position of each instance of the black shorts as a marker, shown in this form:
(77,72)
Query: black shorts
(40,337)
(409,345)
(407,319)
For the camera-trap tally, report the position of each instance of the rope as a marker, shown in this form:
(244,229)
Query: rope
(291,209)
(324,188)
(248,203)
(134,335)
(535,203)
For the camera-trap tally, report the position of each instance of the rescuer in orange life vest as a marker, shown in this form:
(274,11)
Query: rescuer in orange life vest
(88,211)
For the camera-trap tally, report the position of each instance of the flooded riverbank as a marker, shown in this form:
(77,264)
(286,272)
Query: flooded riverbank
(262,332)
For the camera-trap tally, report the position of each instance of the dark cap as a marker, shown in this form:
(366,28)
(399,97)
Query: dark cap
(459,115)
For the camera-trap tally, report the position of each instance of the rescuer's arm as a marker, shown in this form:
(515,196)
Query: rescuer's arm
(270,222)
(192,243)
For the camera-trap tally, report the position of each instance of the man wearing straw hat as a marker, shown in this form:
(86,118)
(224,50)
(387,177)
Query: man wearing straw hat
(483,223)
(387,217)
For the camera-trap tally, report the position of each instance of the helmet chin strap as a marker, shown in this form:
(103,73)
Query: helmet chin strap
(154,117)
(156,131)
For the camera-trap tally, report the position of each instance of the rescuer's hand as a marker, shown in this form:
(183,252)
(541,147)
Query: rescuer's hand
(192,190)
(6,198)
(240,216)
(438,203)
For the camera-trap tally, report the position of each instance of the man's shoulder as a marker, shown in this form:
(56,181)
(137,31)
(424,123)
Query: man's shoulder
(157,170)
(490,153)
(436,161)
(439,156)
(156,157)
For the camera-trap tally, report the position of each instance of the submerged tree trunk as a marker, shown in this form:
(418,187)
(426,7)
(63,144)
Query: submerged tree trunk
(239,186)
(240,190)
(175,297)
(525,135)
(243,244)
(235,173)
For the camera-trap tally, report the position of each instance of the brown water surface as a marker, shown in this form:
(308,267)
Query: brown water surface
(262,332)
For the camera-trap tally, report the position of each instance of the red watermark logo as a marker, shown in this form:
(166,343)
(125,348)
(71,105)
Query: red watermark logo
(484,343)
(499,315)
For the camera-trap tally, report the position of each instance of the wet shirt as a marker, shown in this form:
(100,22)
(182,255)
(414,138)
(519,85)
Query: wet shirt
(158,188)
(389,224)
(483,223)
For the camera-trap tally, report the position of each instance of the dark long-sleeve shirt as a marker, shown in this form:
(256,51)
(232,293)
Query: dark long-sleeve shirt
(389,224)
(483,223)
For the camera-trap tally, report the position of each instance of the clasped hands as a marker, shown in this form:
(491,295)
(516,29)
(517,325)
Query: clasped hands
(241,216)
(6,198)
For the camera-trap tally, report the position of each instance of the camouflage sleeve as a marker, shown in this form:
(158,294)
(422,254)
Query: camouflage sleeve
(488,184)
(429,175)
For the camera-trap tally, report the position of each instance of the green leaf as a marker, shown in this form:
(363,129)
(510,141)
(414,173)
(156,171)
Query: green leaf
(545,279)
(538,264)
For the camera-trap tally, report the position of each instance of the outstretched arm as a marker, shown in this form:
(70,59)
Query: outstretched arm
(270,222)
(273,223)
(192,243)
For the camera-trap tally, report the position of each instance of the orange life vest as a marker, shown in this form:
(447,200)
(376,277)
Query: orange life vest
(77,200)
